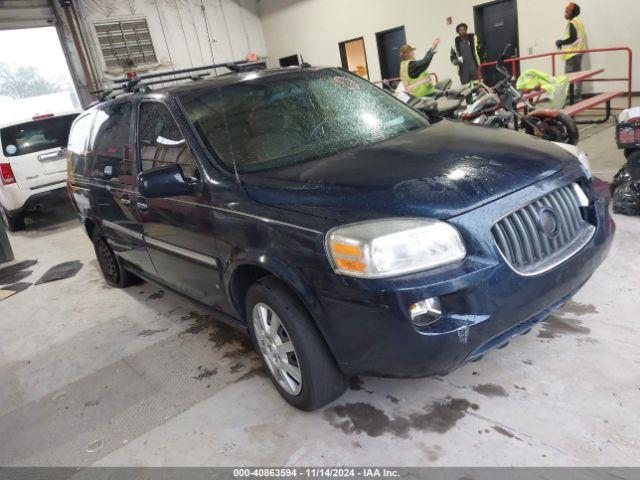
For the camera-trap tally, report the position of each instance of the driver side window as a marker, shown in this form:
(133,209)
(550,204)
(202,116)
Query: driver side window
(161,142)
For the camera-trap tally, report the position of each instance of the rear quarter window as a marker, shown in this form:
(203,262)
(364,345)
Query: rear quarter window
(78,147)
(36,136)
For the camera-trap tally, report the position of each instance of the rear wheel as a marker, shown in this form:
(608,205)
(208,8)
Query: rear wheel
(13,222)
(111,268)
(294,354)
(560,128)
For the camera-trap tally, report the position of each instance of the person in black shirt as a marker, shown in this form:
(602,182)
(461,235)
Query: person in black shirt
(466,54)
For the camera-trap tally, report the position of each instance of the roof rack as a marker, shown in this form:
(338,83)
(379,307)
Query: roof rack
(140,83)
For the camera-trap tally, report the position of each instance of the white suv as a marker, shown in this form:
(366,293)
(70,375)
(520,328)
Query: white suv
(33,168)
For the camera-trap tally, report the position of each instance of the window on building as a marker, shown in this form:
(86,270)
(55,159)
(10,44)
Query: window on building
(125,41)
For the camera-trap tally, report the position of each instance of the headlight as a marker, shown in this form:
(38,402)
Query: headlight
(579,154)
(386,248)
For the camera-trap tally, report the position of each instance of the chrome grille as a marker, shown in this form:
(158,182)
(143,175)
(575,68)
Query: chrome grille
(529,243)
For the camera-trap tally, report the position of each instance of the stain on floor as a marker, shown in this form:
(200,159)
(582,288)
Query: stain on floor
(575,308)
(224,335)
(364,418)
(357,384)
(432,453)
(442,416)
(156,295)
(201,322)
(148,333)
(205,373)
(505,432)
(236,367)
(554,327)
(490,390)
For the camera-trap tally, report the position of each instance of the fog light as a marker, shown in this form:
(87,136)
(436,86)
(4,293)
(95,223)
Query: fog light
(426,312)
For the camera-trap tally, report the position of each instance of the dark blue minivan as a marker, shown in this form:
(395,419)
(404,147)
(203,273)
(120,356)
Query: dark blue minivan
(336,226)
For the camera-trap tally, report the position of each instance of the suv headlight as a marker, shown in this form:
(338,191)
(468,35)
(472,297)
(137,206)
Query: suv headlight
(391,247)
(579,154)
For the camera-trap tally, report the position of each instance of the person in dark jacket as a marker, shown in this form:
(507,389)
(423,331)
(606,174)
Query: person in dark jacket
(466,54)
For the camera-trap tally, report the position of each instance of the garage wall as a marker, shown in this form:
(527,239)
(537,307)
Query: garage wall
(612,24)
(185,33)
(314,28)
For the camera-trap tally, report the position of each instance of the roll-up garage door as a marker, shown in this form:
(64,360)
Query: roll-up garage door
(26,14)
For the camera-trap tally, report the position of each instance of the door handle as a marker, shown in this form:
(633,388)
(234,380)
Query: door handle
(125,200)
(142,205)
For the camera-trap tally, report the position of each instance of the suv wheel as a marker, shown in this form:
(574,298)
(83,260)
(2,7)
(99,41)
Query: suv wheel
(111,268)
(13,222)
(294,354)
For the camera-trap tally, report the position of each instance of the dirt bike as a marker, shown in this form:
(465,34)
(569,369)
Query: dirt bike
(500,107)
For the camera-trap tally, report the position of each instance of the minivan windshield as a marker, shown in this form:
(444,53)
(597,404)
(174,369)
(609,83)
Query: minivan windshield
(31,137)
(272,121)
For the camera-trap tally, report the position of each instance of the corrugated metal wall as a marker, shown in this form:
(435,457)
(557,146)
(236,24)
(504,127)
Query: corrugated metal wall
(184,33)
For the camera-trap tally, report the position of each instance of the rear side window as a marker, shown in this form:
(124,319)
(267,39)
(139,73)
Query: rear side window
(36,136)
(161,142)
(111,153)
(79,144)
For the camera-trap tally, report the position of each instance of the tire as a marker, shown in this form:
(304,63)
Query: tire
(110,266)
(562,128)
(320,379)
(13,222)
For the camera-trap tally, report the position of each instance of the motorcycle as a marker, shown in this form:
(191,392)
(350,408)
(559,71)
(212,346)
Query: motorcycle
(445,102)
(500,107)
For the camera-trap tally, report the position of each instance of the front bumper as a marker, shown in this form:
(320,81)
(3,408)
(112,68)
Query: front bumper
(367,326)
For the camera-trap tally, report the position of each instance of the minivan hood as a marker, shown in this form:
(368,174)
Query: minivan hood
(438,172)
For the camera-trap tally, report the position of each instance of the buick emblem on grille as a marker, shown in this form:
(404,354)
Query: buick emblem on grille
(548,222)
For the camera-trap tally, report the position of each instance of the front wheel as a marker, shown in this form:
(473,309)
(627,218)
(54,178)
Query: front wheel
(558,127)
(293,352)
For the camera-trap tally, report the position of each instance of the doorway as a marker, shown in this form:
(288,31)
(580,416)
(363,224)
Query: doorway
(496,25)
(354,57)
(389,43)
(34,75)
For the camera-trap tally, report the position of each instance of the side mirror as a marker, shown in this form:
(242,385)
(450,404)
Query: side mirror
(164,181)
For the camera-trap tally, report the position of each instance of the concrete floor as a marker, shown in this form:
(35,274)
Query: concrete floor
(92,375)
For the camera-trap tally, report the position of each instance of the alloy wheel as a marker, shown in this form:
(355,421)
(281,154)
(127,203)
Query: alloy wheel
(277,348)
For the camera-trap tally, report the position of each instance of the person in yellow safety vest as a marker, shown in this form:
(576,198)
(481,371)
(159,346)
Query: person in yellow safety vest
(414,74)
(576,40)
(466,55)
